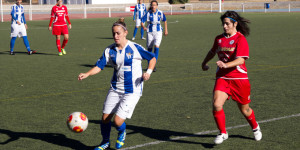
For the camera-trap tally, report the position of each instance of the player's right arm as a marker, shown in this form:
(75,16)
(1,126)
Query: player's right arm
(51,19)
(210,55)
(143,20)
(134,13)
(13,15)
(91,72)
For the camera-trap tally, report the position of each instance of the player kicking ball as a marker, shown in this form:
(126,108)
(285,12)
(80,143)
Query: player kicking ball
(59,15)
(18,27)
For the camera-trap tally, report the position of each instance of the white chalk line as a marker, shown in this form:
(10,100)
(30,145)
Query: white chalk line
(207,132)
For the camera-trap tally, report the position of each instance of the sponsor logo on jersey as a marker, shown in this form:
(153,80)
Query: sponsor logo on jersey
(226,49)
(220,41)
(128,55)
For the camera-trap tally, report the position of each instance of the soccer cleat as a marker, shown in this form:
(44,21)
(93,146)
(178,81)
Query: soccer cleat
(12,53)
(257,133)
(102,146)
(63,51)
(133,39)
(143,38)
(60,54)
(221,137)
(121,139)
(31,52)
(154,70)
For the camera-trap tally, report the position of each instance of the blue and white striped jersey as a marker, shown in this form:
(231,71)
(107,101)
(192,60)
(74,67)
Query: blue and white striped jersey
(139,11)
(17,14)
(153,20)
(127,63)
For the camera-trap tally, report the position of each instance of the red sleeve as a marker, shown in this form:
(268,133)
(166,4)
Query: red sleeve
(68,19)
(67,15)
(242,48)
(53,12)
(51,21)
(215,46)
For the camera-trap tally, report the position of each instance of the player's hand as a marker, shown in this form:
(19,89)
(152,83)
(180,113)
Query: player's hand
(145,29)
(166,32)
(50,28)
(205,67)
(82,76)
(18,22)
(70,26)
(26,26)
(146,76)
(221,64)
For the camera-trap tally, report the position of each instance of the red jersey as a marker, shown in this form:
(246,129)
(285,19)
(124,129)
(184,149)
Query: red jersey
(60,14)
(228,49)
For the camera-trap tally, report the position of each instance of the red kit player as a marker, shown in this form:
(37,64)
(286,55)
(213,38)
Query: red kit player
(231,79)
(59,15)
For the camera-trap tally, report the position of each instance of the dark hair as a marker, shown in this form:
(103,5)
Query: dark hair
(153,1)
(120,22)
(242,25)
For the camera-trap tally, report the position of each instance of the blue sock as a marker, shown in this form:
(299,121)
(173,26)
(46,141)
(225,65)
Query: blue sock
(12,43)
(142,32)
(156,51)
(105,131)
(26,42)
(135,31)
(122,127)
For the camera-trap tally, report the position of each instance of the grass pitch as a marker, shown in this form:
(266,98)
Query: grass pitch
(38,92)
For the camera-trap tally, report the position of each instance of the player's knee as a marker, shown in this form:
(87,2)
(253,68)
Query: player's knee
(218,104)
(106,119)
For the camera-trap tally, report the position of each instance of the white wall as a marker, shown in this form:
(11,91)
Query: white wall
(113,1)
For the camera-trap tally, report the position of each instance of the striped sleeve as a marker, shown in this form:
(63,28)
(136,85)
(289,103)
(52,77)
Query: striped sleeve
(103,60)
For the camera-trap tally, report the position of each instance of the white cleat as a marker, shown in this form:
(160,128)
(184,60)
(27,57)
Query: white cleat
(133,39)
(143,38)
(221,137)
(257,134)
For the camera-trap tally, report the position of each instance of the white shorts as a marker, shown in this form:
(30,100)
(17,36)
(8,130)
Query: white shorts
(138,22)
(153,39)
(18,30)
(120,104)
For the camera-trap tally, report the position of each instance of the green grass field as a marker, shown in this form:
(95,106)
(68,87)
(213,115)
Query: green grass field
(38,92)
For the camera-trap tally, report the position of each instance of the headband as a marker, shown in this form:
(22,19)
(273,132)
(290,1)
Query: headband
(231,19)
(118,24)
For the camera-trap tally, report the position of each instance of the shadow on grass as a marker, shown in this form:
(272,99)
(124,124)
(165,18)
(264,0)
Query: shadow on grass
(164,135)
(54,138)
(108,38)
(91,66)
(37,53)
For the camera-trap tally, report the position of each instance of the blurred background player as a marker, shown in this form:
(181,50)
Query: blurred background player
(59,14)
(232,79)
(126,83)
(154,29)
(139,11)
(18,27)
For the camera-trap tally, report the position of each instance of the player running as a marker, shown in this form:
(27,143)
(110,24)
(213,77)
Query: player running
(126,84)
(18,27)
(139,11)
(154,29)
(59,14)
(231,78)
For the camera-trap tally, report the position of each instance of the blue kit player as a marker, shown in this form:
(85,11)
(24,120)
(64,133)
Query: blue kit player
(139,11)
(126,83)
(18,27)
(154,29)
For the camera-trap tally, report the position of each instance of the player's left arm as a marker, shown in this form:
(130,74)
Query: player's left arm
(23,16)
(238,61)
(166,25)
(68,19)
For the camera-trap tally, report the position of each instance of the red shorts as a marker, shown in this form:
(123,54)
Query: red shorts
(60,30)
(239,90)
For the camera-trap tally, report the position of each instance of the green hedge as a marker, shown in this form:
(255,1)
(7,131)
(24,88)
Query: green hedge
(178,1)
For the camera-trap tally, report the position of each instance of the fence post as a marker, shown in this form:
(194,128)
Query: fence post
(1,11)
(84,10)
(109,13)
(211,7)
(220,6)
(192,9)
(243,6)
(289,7)
(171,9)
(30,10)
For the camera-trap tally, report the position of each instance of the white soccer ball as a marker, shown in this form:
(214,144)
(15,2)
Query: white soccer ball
(77,122)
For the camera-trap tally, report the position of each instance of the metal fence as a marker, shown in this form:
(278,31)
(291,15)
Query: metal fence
(83,10)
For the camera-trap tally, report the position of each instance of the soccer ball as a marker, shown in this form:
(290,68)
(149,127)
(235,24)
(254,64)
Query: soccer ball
(77,122)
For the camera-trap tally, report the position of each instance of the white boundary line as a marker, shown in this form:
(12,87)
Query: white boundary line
(207,132)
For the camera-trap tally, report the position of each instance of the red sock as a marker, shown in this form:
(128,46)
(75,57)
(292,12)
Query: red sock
(58,45)
(64,43)
(220,120)
(252,121)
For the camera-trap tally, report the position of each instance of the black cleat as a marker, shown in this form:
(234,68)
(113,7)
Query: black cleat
(154,70)
(12,53)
